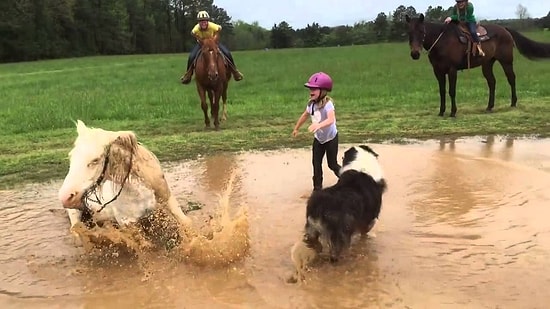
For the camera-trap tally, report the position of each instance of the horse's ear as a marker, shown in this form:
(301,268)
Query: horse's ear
(408,18)
(80,127)
(421,18)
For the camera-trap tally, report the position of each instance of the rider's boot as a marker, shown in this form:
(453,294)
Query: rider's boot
(186,79)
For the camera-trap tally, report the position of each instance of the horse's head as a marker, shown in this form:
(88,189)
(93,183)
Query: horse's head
(210,53)
(97,155)
(417,34)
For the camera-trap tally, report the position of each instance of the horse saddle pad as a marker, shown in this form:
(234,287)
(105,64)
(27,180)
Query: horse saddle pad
(465,36)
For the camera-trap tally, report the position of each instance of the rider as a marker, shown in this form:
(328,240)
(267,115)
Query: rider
(203,30)
(464,11)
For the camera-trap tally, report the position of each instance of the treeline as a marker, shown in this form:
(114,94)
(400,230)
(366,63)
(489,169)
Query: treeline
(47,29)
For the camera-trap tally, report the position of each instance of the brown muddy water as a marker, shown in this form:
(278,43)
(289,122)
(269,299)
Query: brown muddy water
(464,224)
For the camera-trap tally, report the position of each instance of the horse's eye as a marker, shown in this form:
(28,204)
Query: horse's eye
(94,162)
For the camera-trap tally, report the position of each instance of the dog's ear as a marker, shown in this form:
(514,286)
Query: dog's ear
(349,155)
(368,149)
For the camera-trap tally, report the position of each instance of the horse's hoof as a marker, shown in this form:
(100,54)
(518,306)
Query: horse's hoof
(489,110)
(453,115)
(441,114)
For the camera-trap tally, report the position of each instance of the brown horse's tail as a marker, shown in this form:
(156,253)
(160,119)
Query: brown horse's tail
(530,49)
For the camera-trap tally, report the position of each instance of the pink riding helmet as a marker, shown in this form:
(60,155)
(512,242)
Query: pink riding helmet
(319,80)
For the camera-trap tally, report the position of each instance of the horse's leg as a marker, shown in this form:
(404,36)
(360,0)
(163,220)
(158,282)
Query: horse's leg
(204,106)
(440,75)
(216,107)
(74,218)
(452,90)
(511,76)
(487,68)
(224,101)
(150,170)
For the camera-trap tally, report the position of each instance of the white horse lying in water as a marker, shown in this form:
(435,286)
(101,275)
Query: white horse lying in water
(107,174)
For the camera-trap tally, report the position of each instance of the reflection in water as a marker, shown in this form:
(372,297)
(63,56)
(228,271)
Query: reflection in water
(463,224)
(452,186)
(505,152)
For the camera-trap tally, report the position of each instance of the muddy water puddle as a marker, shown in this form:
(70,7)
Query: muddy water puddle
(463,224)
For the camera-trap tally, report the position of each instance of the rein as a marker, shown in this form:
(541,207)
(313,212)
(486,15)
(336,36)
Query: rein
(436,40)
(95,186)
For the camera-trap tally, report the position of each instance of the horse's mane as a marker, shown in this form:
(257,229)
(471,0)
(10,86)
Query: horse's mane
(120,147)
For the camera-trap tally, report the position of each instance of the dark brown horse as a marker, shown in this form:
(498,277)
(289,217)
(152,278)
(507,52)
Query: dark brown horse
(212,78)
(447,54)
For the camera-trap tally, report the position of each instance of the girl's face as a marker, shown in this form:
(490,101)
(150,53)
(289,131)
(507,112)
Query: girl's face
(461,4)
(203,24)
(314,93)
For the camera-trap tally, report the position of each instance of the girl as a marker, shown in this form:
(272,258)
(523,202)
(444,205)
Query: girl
(464,11)
(323,125)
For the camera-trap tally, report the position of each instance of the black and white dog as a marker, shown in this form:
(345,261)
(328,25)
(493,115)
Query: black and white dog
(336,213)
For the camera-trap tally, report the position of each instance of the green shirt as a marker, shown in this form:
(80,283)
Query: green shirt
(467,14)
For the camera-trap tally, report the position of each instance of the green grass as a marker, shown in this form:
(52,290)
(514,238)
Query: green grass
(380,93)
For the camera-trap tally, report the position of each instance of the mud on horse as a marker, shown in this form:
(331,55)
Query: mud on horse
(212,79)
(448,52)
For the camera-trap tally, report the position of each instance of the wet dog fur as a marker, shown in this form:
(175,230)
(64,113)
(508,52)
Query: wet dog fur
(336,213)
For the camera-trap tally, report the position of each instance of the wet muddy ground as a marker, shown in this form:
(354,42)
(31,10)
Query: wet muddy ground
(464,223)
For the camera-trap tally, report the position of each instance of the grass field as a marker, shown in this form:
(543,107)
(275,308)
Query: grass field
(379,92)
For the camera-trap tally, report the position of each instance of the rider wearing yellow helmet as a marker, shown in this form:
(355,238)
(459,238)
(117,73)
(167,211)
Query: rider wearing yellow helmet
(202,30)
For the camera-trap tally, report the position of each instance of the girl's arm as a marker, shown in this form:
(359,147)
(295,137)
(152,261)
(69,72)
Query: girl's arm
(300,122)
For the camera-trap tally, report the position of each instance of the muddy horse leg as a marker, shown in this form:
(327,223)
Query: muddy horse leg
(204,106)
(452,91)
(511,76)
(440,75)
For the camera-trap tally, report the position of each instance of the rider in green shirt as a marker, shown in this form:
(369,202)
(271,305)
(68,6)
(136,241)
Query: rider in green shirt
(464,12)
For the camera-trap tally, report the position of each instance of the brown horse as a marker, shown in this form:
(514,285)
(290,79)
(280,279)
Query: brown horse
(212,78)
(447,51)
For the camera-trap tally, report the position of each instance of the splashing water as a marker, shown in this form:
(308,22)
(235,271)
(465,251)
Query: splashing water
(222,241)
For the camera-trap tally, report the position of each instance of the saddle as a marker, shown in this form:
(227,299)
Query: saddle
(465,37)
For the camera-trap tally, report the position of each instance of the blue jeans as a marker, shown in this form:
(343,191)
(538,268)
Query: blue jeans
(473,31)
(195,51)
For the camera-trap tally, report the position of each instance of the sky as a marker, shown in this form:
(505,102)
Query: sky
(299,13)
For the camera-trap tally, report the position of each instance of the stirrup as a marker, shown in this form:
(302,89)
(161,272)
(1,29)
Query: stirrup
(237,76)
(186,79)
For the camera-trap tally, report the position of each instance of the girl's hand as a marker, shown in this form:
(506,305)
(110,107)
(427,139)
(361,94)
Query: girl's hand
(314,127)
(294,133)
(447,20)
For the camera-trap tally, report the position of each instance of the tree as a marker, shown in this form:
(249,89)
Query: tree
(435,14)
(521,12)
(311,35)
(281,35)
(380,25)
(399,26)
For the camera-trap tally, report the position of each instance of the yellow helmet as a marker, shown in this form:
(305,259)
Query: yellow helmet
(203,15)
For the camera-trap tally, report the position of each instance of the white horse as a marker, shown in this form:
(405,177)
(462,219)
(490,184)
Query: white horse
(108,173)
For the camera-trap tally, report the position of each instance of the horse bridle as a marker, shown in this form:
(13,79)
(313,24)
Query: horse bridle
(97,184)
